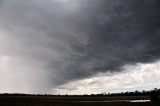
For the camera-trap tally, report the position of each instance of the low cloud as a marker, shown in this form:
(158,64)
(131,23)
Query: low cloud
(137,77)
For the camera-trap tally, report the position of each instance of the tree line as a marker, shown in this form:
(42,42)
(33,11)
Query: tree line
(153,94)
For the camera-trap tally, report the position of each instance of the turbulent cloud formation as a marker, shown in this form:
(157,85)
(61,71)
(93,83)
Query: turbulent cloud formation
(138,77)
(52,42)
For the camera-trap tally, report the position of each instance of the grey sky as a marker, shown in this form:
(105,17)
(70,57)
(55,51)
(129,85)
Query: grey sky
(47,43)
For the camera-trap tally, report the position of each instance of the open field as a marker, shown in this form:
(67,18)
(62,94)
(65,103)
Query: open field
(74,101)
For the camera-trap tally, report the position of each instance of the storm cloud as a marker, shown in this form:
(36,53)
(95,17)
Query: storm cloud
(52,42)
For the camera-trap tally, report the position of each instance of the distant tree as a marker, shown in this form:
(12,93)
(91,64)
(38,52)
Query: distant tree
(137,92)
(155,95)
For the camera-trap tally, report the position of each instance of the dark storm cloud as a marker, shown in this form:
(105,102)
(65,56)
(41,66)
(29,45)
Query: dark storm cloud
(120,32)
(78,39)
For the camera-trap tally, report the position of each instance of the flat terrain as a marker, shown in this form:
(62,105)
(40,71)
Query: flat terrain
(74,101)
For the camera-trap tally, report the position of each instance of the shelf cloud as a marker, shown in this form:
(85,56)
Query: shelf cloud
(45,44)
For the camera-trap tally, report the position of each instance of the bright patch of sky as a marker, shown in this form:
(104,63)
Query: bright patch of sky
(134,77)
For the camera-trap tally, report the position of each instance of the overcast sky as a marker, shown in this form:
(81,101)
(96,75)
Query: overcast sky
(79,46)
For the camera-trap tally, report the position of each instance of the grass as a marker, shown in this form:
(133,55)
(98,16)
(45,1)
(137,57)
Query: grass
(72,101)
